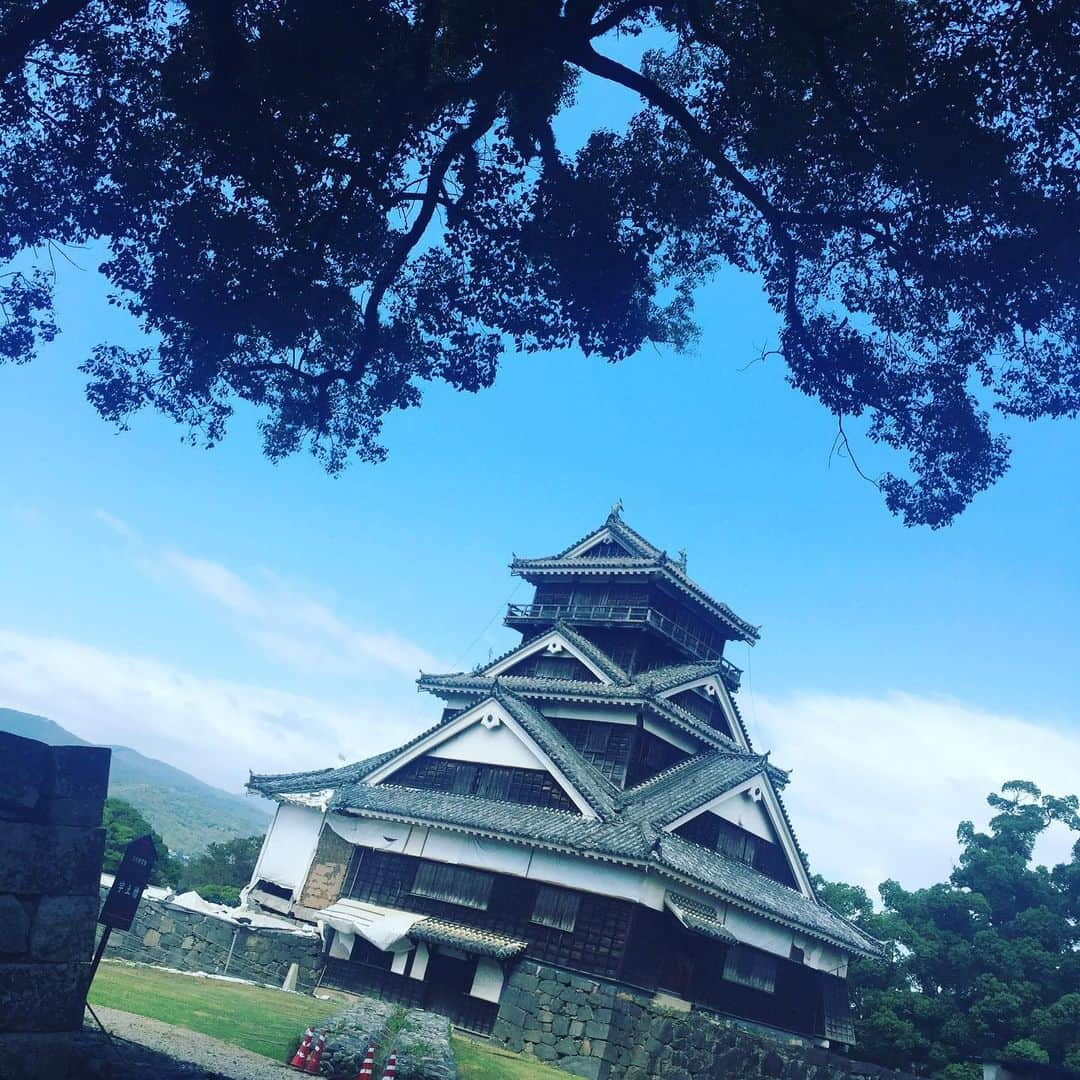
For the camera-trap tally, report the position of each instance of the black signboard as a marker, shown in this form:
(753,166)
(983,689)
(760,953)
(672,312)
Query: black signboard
(132,876)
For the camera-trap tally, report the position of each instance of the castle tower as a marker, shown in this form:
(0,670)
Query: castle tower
(589,803)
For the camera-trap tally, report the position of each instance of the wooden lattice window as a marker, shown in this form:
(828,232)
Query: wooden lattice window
(748,967)
(453,884)
(556,908)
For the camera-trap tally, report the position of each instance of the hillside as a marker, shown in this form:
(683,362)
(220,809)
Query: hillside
(188,813)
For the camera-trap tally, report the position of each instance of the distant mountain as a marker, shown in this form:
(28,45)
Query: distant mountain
(188,813)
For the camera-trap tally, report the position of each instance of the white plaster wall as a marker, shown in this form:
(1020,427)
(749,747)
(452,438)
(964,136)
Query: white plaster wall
(487,746)
(420,961)
(289,846)
(670,734)
(765,935)
(581,711)
(488,980)
(742,810)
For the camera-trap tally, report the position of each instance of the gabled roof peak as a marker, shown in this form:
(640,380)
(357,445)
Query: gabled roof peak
(635,555)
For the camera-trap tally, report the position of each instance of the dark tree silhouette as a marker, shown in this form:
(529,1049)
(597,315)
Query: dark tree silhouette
(985,964)
(317,205)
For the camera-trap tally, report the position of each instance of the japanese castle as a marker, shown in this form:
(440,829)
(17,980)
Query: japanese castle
(590,801)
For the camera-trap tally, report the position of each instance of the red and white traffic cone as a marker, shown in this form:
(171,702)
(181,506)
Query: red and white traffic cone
(298,1059)
(312,1063)
(367,1068)
(391,1067)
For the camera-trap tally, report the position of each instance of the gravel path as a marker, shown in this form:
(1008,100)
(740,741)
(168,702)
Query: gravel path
(142,1049)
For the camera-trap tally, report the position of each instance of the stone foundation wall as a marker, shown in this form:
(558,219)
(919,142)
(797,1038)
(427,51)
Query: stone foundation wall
(169,936)
(51,845)
(603,1031)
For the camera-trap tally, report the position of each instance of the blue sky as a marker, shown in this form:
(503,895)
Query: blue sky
(226,614)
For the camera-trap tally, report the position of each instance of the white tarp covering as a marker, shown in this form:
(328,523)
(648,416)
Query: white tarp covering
(602,878)
(289,846)
(385,928)
(380,835)
(446,846)
(496,855)
(243,917)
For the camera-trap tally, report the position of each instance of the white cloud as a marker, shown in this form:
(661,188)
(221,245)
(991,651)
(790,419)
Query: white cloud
(215,729)
(879,785)
(111,521)
(290,625)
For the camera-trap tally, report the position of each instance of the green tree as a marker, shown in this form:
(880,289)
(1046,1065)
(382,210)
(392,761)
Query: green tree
(316,206)
(123,823)
(220,872)
(986,963)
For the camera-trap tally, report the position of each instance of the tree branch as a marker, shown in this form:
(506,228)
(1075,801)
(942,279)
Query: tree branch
(35,29)
(586,57)
(612,19)
(458,143)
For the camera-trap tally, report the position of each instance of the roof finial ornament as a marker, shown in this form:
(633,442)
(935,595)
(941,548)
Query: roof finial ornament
(682,558)
(616,509)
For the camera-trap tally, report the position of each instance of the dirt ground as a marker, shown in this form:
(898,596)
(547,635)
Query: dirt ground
(142,1049)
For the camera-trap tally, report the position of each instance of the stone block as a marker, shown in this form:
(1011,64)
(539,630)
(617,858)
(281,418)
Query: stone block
(85,812)
(42,997)
(14,926)
(38,1056)
(27,772)
(152,938)
(82,772)
(64,928)
(583,1066)
(512,1015)
(54,859)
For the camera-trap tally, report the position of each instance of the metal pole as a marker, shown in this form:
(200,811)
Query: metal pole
(98,952)
(232,945)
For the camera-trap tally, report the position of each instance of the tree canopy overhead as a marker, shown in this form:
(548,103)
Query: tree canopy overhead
(316,205)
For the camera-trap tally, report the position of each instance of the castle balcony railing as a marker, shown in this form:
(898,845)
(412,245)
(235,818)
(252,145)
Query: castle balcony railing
(616,615)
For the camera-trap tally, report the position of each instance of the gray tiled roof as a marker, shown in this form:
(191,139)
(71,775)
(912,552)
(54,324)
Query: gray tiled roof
(593,785)
(583,644)
(703,918)
(644,558)
(468,938)
(632,693)
(271,784)
(739,880)
(625,838)
(657,680)
(632,540)
(629,826)
(690,784)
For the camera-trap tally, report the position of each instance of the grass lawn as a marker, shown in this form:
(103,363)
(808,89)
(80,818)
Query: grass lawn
(481,1061)
(267,1021)
(262,1020)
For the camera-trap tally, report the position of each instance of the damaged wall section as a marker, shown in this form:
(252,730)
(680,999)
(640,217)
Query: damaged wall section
(328,869)
(189,934)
